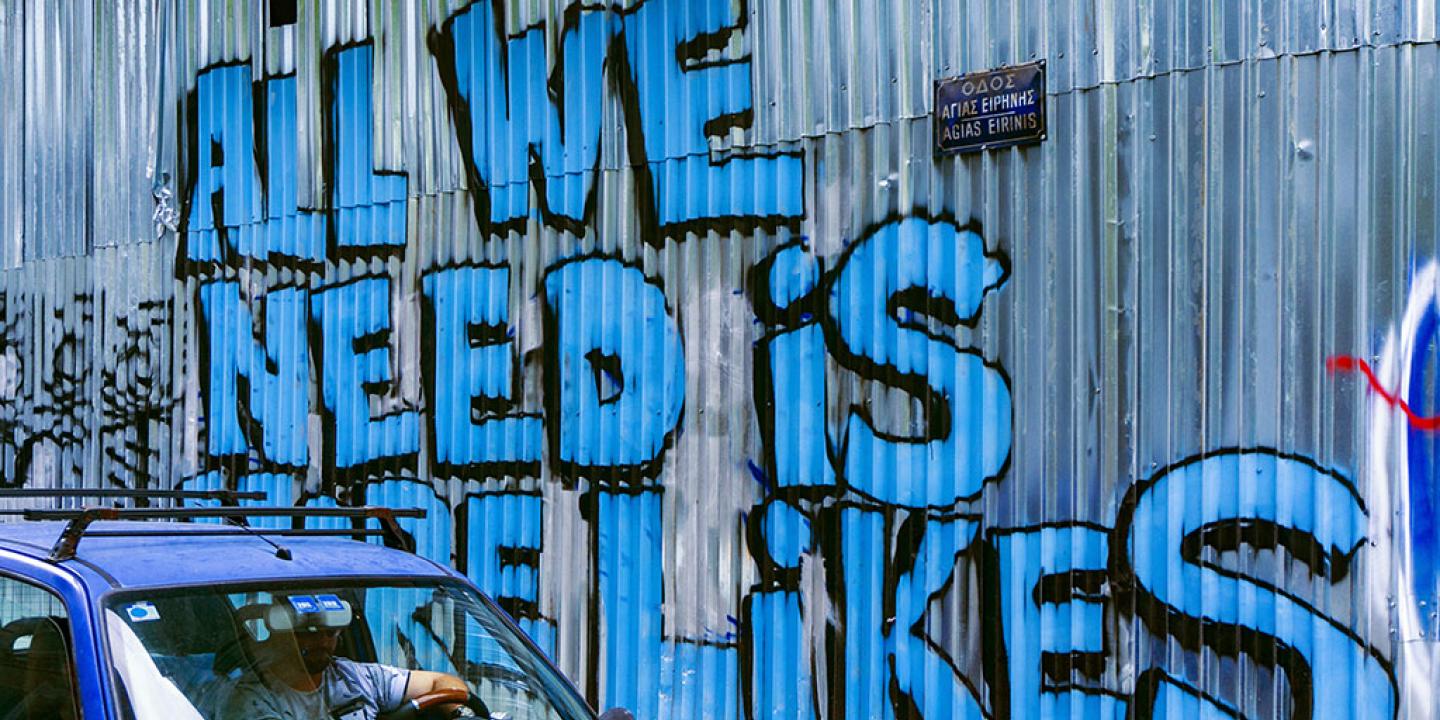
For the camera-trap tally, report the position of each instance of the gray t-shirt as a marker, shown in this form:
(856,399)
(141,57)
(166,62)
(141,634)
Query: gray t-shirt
(348,691)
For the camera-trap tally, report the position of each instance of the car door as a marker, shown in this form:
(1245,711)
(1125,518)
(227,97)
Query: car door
(48,655)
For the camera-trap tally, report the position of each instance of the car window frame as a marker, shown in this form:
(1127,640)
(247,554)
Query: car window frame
(72,664)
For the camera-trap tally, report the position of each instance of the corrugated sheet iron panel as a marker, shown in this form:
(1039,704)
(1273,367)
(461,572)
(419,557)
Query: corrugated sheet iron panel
(12,150)
(59,142)
(127,105)
(856,63)
(741,400)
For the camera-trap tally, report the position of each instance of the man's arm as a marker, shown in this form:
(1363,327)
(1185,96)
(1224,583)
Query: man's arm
(417,684)
(423,683)
(394,688)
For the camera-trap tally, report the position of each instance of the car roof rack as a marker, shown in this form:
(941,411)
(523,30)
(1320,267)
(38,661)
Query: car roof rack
(78,520)
(227,498)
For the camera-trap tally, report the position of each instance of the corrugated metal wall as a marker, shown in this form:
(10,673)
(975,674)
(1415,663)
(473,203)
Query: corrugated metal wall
(741,400)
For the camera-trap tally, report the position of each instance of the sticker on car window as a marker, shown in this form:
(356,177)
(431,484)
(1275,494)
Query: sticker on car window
(142,612)
(304,604)
(330,603)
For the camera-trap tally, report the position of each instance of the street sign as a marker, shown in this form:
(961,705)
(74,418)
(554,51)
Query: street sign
(990,109)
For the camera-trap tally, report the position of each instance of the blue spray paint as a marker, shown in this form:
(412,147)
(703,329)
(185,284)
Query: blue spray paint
(504,543)
(369,206)
(901,274)
(614,394)
(774,645)
(904,272)
(1053,614)
(523,126)
(1422,449)
(235,211)
(472,376)
(925,680)
(865,666)
(1170,527)
(520,127)
(615,381)
(405,619)
(257,385)
(654,677)
(353,324)
(1170,699)
(629,557)
(796,363)
(667,42)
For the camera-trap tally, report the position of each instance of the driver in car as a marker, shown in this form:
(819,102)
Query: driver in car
(297,675)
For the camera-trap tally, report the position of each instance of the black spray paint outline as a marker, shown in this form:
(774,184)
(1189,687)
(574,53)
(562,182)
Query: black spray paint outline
(390,466)
(139,411)
(190,174)
(635,474)
(255,459)
(915,385)
(1225,639)
(621,79)
(489,408)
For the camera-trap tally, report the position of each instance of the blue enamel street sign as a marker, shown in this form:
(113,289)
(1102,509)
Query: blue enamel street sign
(990,109)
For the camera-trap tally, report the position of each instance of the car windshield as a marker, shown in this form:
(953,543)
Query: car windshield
(342,650)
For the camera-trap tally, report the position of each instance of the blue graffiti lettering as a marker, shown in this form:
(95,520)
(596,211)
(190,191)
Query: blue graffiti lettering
(913,275)
(1174,525)
(405,619)
(931,273)
(924,675)
(781,666)
(863,539)
(523,126)
(1054,589)
(353,320)
(886,289)
(630,550)
(471,374)
(257,387)
(369,206)
(629,544)
(229,217)
(793,364)
(503,556)
(775,645)
(686,98)
(615,380)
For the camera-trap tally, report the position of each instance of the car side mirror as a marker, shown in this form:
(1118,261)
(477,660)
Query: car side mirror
(616,714)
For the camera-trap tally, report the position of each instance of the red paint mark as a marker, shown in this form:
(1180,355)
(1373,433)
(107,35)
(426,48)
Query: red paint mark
(1351,364)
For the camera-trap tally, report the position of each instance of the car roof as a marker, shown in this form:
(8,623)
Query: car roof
(159,554)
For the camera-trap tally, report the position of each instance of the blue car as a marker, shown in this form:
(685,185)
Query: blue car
(189,614)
